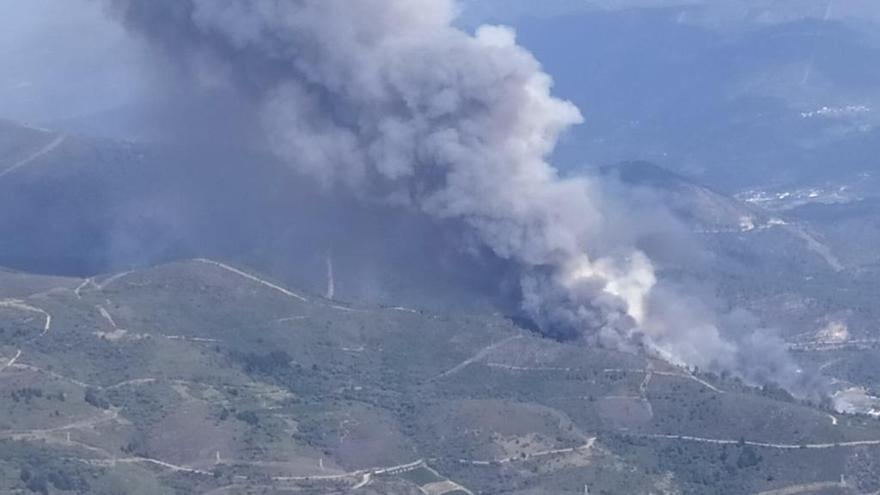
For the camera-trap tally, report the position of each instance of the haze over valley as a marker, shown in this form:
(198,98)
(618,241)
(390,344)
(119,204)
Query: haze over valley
(428,246)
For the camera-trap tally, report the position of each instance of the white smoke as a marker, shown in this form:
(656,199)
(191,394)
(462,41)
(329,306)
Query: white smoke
(387,100)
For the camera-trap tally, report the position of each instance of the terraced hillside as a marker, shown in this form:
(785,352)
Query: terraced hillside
(201,377)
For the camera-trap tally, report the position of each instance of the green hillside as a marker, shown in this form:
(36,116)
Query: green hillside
(200,377)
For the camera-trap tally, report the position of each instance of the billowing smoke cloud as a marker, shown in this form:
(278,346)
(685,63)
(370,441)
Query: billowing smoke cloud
(386,101)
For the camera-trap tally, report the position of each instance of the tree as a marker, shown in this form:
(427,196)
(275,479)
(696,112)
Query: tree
(748,458)
(93,397)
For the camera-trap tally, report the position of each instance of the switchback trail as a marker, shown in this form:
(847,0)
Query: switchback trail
(23,306)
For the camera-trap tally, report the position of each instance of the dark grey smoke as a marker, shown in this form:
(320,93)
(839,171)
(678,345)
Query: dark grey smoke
(386,102)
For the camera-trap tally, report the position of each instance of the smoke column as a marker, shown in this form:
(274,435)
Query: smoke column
(387,101)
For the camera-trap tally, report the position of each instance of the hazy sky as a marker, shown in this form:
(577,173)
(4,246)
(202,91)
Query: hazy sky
(64,59)
(61,59)
(715,11)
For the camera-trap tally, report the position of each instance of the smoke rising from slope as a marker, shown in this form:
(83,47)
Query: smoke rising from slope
(386,101)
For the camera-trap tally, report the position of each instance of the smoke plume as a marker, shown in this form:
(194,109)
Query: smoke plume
(387,101)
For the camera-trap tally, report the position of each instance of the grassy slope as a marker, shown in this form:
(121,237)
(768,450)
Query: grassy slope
(197,362)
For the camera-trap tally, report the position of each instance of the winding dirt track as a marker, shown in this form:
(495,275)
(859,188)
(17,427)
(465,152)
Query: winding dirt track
(56,142)
(781,446)
(106,315)
(23,306)
(106,283)
(252,278)
(11,361)
(534,455)
(478,356)
(805,488)
(85,283)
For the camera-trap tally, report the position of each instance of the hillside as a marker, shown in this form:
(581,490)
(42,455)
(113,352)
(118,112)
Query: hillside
(793,267)
(202,377)
(440,247)
(90,205)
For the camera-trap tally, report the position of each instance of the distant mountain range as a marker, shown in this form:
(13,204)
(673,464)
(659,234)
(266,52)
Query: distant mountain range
(729,92)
